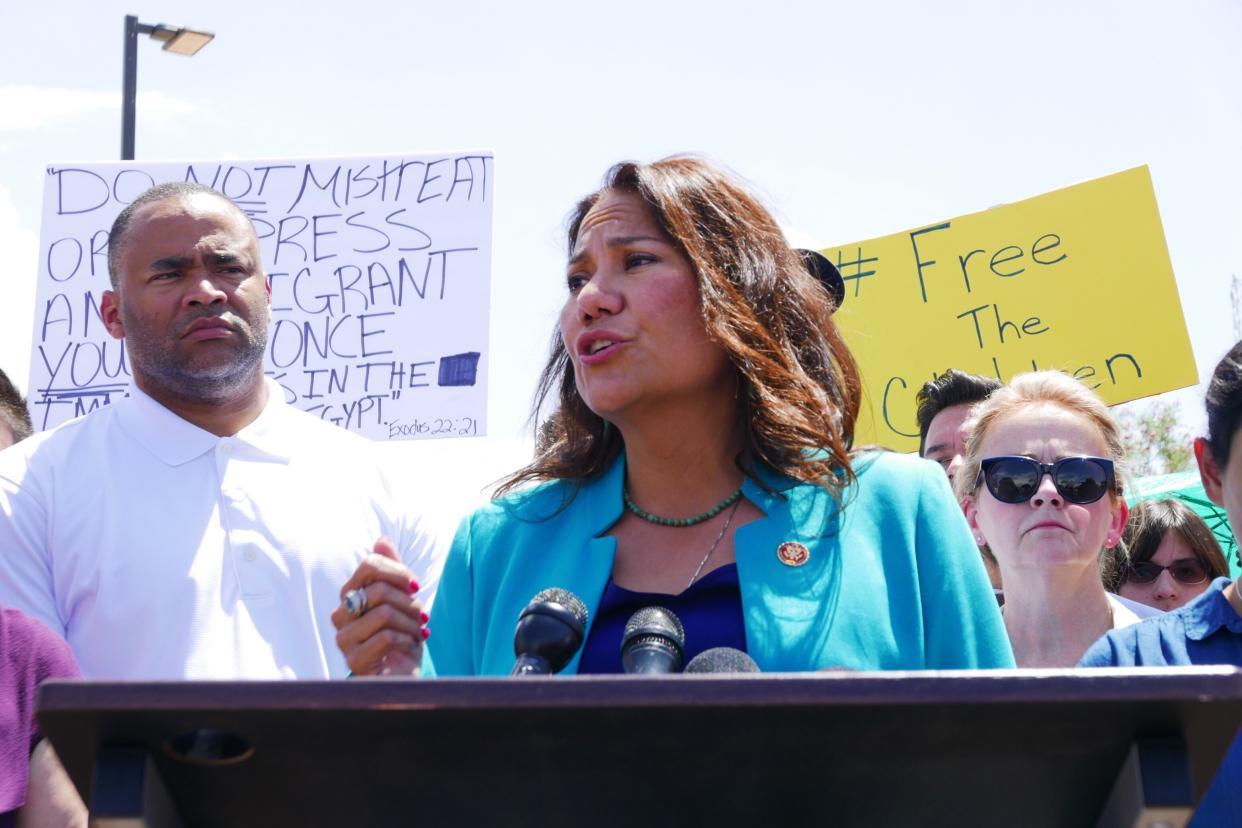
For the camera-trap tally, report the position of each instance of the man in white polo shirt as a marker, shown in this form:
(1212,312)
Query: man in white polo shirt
(200,527)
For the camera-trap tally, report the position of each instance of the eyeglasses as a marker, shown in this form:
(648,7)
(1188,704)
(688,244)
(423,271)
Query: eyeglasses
(1187,571)
(1015,479)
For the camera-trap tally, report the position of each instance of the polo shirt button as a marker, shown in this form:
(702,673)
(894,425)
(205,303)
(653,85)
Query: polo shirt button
(249,555)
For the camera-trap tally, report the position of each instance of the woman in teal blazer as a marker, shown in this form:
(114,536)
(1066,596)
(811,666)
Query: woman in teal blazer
(699,454)
(893,582)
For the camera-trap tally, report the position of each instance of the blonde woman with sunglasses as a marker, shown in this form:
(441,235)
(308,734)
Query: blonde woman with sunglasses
(1040,485)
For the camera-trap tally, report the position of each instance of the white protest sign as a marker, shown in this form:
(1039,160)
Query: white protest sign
(380,270)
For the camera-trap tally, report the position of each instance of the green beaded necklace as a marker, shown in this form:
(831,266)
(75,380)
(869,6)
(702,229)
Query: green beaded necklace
(690,521)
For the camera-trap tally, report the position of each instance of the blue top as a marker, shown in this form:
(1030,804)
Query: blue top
(892,582)
(1205,631)
(710,612)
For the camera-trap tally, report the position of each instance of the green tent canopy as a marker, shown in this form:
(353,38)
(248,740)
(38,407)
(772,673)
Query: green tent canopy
(1188,488)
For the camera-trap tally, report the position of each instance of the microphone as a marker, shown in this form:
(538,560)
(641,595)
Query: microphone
(722,660)
(549,631)
(653,642)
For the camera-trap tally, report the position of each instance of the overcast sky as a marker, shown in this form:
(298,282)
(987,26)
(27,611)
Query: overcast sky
(855,120)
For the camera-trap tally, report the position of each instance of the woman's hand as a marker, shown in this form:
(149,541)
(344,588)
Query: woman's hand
(380,624)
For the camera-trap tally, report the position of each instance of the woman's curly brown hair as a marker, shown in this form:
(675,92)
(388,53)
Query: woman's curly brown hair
(798,385)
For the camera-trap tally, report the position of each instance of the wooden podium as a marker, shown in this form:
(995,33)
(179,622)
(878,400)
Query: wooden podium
(1020,747)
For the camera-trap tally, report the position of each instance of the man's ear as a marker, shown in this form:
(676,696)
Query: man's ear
(1209,473)
(110,313)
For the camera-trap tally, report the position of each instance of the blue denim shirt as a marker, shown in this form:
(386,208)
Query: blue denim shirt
(1205,631)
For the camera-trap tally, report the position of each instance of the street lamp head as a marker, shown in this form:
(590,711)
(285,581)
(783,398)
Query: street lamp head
(181,40)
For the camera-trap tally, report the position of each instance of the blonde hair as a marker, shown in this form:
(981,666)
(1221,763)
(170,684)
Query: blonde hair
(1036,388)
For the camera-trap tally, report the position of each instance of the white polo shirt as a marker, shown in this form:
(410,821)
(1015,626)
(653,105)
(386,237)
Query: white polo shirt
(161,551)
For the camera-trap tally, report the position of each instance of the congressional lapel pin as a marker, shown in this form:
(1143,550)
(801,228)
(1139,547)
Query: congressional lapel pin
(792,553)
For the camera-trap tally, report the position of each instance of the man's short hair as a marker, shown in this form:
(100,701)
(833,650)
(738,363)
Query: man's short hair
(13,411)
(951,388)
(160,192)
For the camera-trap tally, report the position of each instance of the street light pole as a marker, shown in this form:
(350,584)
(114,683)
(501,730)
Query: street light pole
(177,39)
(129,88)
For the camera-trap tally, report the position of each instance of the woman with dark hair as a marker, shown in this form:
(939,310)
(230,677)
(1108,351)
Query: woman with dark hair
(698,458)
(1208,629)
(1166,557)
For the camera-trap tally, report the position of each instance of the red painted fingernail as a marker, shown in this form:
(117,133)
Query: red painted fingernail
(424,617)
(413,586)
(426,633)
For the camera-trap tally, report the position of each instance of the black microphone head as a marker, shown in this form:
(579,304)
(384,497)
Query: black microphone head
(822,268)
(654,621)
(566,599)
(549,631)
(722,660)
(653,642)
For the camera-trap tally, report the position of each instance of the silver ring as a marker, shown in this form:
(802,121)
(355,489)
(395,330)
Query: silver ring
(356,602)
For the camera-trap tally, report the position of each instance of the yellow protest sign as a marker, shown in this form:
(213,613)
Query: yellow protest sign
(1078,279)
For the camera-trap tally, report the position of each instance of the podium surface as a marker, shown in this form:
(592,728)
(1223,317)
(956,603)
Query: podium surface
(1018,747)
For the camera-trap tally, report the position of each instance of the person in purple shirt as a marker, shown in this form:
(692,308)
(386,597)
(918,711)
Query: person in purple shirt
(34,789)
(15,424)
(1208,630)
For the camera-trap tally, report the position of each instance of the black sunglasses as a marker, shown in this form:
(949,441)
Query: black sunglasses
(1015,479)
(1188,571)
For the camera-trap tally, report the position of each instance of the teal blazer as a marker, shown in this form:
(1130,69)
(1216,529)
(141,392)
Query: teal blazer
(894,580)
